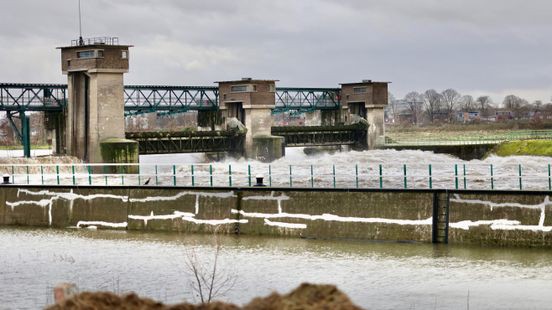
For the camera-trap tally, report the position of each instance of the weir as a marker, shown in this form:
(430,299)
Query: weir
(87,115)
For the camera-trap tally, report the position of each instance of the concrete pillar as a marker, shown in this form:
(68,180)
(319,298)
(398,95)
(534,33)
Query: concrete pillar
(95,109)
(251,102)
(313,118)
(330,117)
(375,118)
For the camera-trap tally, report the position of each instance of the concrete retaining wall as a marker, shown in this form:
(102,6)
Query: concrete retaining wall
(521,219)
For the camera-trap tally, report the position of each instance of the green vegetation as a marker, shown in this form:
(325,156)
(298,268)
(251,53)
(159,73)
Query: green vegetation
(524,147)
(19,147)
(474,126)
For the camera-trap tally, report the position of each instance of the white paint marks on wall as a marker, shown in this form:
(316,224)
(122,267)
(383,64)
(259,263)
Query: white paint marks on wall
(185,216)
(68,196)
(229,194)
(333,218)
(504,224)
(213,222)
(285,225)
(278,198)
(466,225)
(174,215)
(101,223)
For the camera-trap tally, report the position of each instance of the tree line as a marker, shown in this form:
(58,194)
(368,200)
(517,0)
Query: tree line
(431,106)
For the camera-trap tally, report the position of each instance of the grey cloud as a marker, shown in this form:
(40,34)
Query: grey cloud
(470,45)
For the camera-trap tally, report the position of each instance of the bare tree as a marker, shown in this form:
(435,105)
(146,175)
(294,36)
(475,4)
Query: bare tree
(432,102)
(414,100)
(518,105)
(450,99)
(467,103)
(392,106)
(484,104)
(209,279)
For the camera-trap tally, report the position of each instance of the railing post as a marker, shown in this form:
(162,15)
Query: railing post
(13,174)
(492,177)
(211,175)
(249,174)
(430,178)
(139,178)
(28,179)
(122,179)
(380,176)
(312,175)
(520,181)
(174,174)
(405,180)
(229,175)
(549,179)
(333,169)
(465,181)
(156,176)
(57,174)
(89,175)
(42,174)
(356,175)
(193,177)
(269,175)
(290,177)
(73,174)
(456,176)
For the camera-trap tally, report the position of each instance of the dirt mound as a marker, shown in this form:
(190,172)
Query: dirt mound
(306,296)
(107,300)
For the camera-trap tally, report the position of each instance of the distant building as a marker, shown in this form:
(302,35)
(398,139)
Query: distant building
(503,115)
(468,117)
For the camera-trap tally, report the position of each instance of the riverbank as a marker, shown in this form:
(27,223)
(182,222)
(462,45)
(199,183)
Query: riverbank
(523,148)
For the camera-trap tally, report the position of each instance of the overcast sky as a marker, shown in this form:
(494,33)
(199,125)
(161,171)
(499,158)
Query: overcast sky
(494,47)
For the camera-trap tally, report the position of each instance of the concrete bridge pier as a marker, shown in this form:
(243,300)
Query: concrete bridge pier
(313,118)
(94,122)
(367,100)
(251,102)
(330,117)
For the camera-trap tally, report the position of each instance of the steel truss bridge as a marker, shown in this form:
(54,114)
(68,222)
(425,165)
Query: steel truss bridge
(140,99)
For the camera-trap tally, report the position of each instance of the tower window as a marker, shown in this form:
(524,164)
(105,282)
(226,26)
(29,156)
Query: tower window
(124,54)
(86,54)
(359,90)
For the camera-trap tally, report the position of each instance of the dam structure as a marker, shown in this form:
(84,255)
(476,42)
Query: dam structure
(87,115)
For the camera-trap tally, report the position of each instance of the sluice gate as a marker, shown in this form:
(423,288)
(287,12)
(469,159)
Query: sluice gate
(188,142)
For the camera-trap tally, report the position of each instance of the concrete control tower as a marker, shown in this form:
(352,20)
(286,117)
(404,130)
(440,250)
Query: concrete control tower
(95,109)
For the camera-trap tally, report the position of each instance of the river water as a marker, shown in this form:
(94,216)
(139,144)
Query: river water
(375,275)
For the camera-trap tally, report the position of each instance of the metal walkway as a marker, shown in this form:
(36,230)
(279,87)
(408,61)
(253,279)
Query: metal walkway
(139,99)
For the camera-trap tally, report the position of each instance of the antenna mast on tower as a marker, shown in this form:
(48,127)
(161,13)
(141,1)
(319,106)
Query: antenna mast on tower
(81,41)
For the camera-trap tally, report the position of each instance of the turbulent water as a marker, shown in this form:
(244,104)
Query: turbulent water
(374,275)
(362,169)
(367,169)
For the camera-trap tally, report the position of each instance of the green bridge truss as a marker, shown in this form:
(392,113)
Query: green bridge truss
(140,99)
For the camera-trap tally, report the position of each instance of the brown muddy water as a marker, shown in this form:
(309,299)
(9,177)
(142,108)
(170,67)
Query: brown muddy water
(374,275)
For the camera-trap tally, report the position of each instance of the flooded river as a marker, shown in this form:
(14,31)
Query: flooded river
(374,275)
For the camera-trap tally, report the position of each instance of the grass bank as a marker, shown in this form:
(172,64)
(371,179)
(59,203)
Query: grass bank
(524,147)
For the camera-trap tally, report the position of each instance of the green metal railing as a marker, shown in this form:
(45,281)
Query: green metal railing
(460,176)
(469,138)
